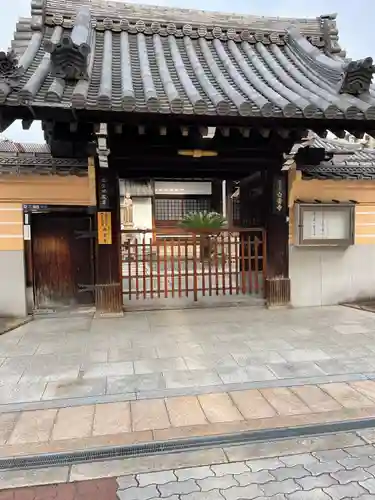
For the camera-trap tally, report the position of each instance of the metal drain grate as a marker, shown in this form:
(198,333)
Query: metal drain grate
(180,445)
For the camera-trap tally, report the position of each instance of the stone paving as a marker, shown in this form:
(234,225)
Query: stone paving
(54,362)
(328,467)
(124,423)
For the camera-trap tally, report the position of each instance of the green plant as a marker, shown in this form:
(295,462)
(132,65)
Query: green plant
(203,221)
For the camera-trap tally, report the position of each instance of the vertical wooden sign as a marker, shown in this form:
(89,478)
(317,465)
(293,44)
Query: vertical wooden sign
(92,181)
(104,228)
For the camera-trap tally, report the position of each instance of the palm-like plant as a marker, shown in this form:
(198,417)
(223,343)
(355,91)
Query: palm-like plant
(204,223)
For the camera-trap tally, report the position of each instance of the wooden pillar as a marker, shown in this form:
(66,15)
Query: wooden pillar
(277,286)
(108,287)
(217,196)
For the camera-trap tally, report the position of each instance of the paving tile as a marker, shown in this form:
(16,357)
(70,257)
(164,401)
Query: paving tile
(22,392)
(316,399)
(290,473)
(298,459)
(207,362)
(369,485)
(347,329)
(368,435)
(131,354)
(359,451)
(125,482)
(73,422)
(252,404)
(219,483)
(206,495)
(32,477)
(346,395)
(75,388)
(296,370)
(178,488)
(230,468)
(258,357)
(300,355)
(139,493)
(97,370)
(311,482)
(135,383)
(323,468)
(264,464)
(365,387)
(237,375)
(339,491)
(314,494)
(219,408)
(331,455)
(33,427)
(241,492)
(156,478)
(354,463)
(7,423)
(195,378)
(193,473)
(112,418)
(185,410)
(275,487)
(149,414)
(260,477)
(159,365)
(284,401)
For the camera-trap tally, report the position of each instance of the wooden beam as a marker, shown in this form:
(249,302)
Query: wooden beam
(26,124)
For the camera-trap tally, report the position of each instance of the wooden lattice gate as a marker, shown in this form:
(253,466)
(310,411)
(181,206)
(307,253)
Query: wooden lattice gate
(192,265)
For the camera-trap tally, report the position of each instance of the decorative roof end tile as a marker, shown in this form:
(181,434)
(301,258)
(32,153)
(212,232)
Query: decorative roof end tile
(357,77)
(10,71)
(69,57)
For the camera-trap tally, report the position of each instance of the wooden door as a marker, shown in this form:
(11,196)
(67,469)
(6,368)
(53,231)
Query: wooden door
(61,261)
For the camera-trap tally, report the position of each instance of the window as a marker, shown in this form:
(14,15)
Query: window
(324,224)
(176,208)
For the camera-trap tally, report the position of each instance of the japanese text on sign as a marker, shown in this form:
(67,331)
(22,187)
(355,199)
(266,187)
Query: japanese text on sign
(104,228)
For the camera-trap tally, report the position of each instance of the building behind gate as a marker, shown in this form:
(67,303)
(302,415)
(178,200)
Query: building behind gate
(183,111)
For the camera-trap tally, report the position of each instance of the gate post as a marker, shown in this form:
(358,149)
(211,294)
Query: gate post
(277,285)
(108,286)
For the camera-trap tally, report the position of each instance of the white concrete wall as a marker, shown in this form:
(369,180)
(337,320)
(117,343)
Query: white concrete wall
(12,284)
(142,215)
(327,276)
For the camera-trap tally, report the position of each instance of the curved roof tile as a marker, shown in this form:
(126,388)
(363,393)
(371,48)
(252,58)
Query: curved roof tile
(127,57)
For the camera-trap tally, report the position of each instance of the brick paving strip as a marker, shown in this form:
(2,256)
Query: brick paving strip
(126,423)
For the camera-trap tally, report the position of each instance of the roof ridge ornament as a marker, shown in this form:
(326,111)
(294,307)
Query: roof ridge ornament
(331,35)
(357,77)
(69,57)
(10,71)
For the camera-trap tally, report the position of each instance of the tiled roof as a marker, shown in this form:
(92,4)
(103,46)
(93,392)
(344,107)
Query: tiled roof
(92,54)
(349,161)
(17,147)
(21,159)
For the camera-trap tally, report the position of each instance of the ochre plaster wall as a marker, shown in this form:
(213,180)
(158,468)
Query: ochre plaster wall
(361,191)
(48,190)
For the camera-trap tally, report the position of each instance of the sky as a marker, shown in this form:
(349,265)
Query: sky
(355,22)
